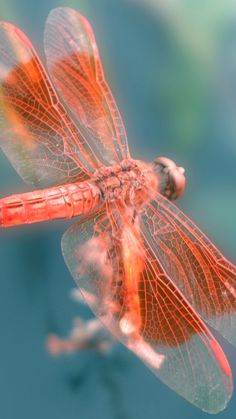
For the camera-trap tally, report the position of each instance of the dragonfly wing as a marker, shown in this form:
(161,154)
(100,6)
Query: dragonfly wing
(171,339)
(199,270)
(36,134)
(75,67)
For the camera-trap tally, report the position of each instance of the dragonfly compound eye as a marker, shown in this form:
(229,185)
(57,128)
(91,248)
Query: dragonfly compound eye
(171,178)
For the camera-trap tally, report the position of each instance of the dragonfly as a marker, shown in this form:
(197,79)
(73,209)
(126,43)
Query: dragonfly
(147,271)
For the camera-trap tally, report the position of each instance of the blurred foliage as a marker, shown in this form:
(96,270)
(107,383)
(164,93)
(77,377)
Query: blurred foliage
(186,86)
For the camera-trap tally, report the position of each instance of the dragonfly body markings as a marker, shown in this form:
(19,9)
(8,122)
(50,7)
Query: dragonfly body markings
(64,201)
(131,182)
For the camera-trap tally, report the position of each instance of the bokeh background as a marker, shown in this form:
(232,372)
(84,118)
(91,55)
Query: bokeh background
(172,67)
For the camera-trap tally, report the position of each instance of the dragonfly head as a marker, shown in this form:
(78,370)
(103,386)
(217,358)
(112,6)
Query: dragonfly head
(172,181)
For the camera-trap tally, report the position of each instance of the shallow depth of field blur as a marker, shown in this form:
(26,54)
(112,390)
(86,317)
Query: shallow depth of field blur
(171,65)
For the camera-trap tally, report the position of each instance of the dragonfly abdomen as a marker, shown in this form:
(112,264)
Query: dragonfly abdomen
(64,201)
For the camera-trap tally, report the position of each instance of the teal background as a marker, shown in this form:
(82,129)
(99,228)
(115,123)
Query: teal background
(172,69)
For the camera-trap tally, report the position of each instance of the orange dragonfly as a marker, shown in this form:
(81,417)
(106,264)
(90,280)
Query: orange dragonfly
(152,273)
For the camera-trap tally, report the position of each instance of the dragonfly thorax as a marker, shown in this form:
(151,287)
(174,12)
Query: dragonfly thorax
(132,181)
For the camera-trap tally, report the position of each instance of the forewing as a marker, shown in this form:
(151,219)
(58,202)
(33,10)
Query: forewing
(171,339)
(36,134)
(75,67)
(199,270)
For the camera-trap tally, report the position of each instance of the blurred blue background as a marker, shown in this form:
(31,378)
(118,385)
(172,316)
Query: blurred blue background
(172,69)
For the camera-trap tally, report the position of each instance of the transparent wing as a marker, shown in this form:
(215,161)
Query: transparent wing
(36,134)
(164,331)
(76,69)
(199,270)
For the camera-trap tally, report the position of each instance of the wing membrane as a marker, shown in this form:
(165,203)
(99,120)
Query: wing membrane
(199,270)
(170,337)
(75,67)
(36,134)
